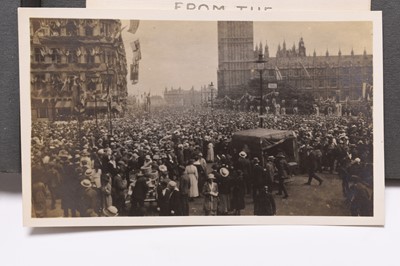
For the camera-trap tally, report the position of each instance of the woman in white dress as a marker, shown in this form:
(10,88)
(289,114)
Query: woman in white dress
(191,171)
(210,152)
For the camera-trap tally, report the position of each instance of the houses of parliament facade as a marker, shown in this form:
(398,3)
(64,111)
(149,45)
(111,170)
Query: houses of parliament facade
(342,76)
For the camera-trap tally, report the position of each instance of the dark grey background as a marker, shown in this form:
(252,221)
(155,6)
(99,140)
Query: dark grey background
(9,81)
(9,84)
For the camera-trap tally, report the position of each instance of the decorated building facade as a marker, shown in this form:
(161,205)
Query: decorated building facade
(78,66)
(346,76)
(340,76)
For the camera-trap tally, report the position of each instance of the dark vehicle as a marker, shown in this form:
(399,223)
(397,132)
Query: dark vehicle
(263,142)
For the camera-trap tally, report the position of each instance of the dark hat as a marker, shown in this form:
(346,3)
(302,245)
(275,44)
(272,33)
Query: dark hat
(214,167)
(63,154)
(280,155)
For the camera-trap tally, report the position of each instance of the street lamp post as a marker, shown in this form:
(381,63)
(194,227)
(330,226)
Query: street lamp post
(260,64)
(95,110)
(109,100)
(212,99)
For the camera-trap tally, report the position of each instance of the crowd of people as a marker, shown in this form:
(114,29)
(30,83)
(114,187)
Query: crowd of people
(165,158)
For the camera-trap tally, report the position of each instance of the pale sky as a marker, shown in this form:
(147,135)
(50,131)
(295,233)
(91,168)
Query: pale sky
(184,53)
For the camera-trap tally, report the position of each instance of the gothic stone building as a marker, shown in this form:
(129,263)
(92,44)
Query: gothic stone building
(77,66)
(179,97)
(340,76)
(235,56)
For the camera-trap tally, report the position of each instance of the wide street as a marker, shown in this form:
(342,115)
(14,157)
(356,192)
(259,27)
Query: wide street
(314,200)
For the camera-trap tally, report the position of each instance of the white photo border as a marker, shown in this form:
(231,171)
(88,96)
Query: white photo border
(24,14)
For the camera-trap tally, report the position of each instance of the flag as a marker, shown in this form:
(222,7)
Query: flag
(133,26)
(43,52)
(134,73)
(137,55)
(35,39)
(118,33)
(278,73)
(307,74)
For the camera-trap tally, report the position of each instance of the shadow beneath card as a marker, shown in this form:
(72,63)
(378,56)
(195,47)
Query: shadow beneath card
(392,183)
(79,230)
(10,182)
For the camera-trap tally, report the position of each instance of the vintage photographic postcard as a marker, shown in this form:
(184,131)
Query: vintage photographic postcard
(233,5)
(144,118)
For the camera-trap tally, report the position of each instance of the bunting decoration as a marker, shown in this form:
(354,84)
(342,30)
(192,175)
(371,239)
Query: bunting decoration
(278,73)
(134,67)
(137,55)
(305,70)
(118,34)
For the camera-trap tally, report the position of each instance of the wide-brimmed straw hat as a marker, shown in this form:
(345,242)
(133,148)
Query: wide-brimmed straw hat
(163,168)
(224,172)
(88,172)
(86,183)
(111,211)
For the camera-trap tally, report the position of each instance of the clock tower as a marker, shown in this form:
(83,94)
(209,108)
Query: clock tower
(235,57)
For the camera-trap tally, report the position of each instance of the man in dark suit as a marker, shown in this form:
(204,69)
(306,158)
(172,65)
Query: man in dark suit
(244,165)
(312,165)
(264,203)
(175,206)
(283,168)
(139,192)
(184,187)
(163,199)
(259,175)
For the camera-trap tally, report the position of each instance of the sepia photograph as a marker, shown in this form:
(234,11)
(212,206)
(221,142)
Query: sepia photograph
(131,120)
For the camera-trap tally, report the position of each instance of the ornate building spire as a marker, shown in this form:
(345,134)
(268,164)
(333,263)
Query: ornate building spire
(302,48)
(284,51)
(293,52)
(279,51)
(266,50)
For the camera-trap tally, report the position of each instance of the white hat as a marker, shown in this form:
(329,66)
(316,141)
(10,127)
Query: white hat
(224,172)
(86,183)
(163,168)
(88,172)
(211,176)
(172,184)
(111,211)
(242,154)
